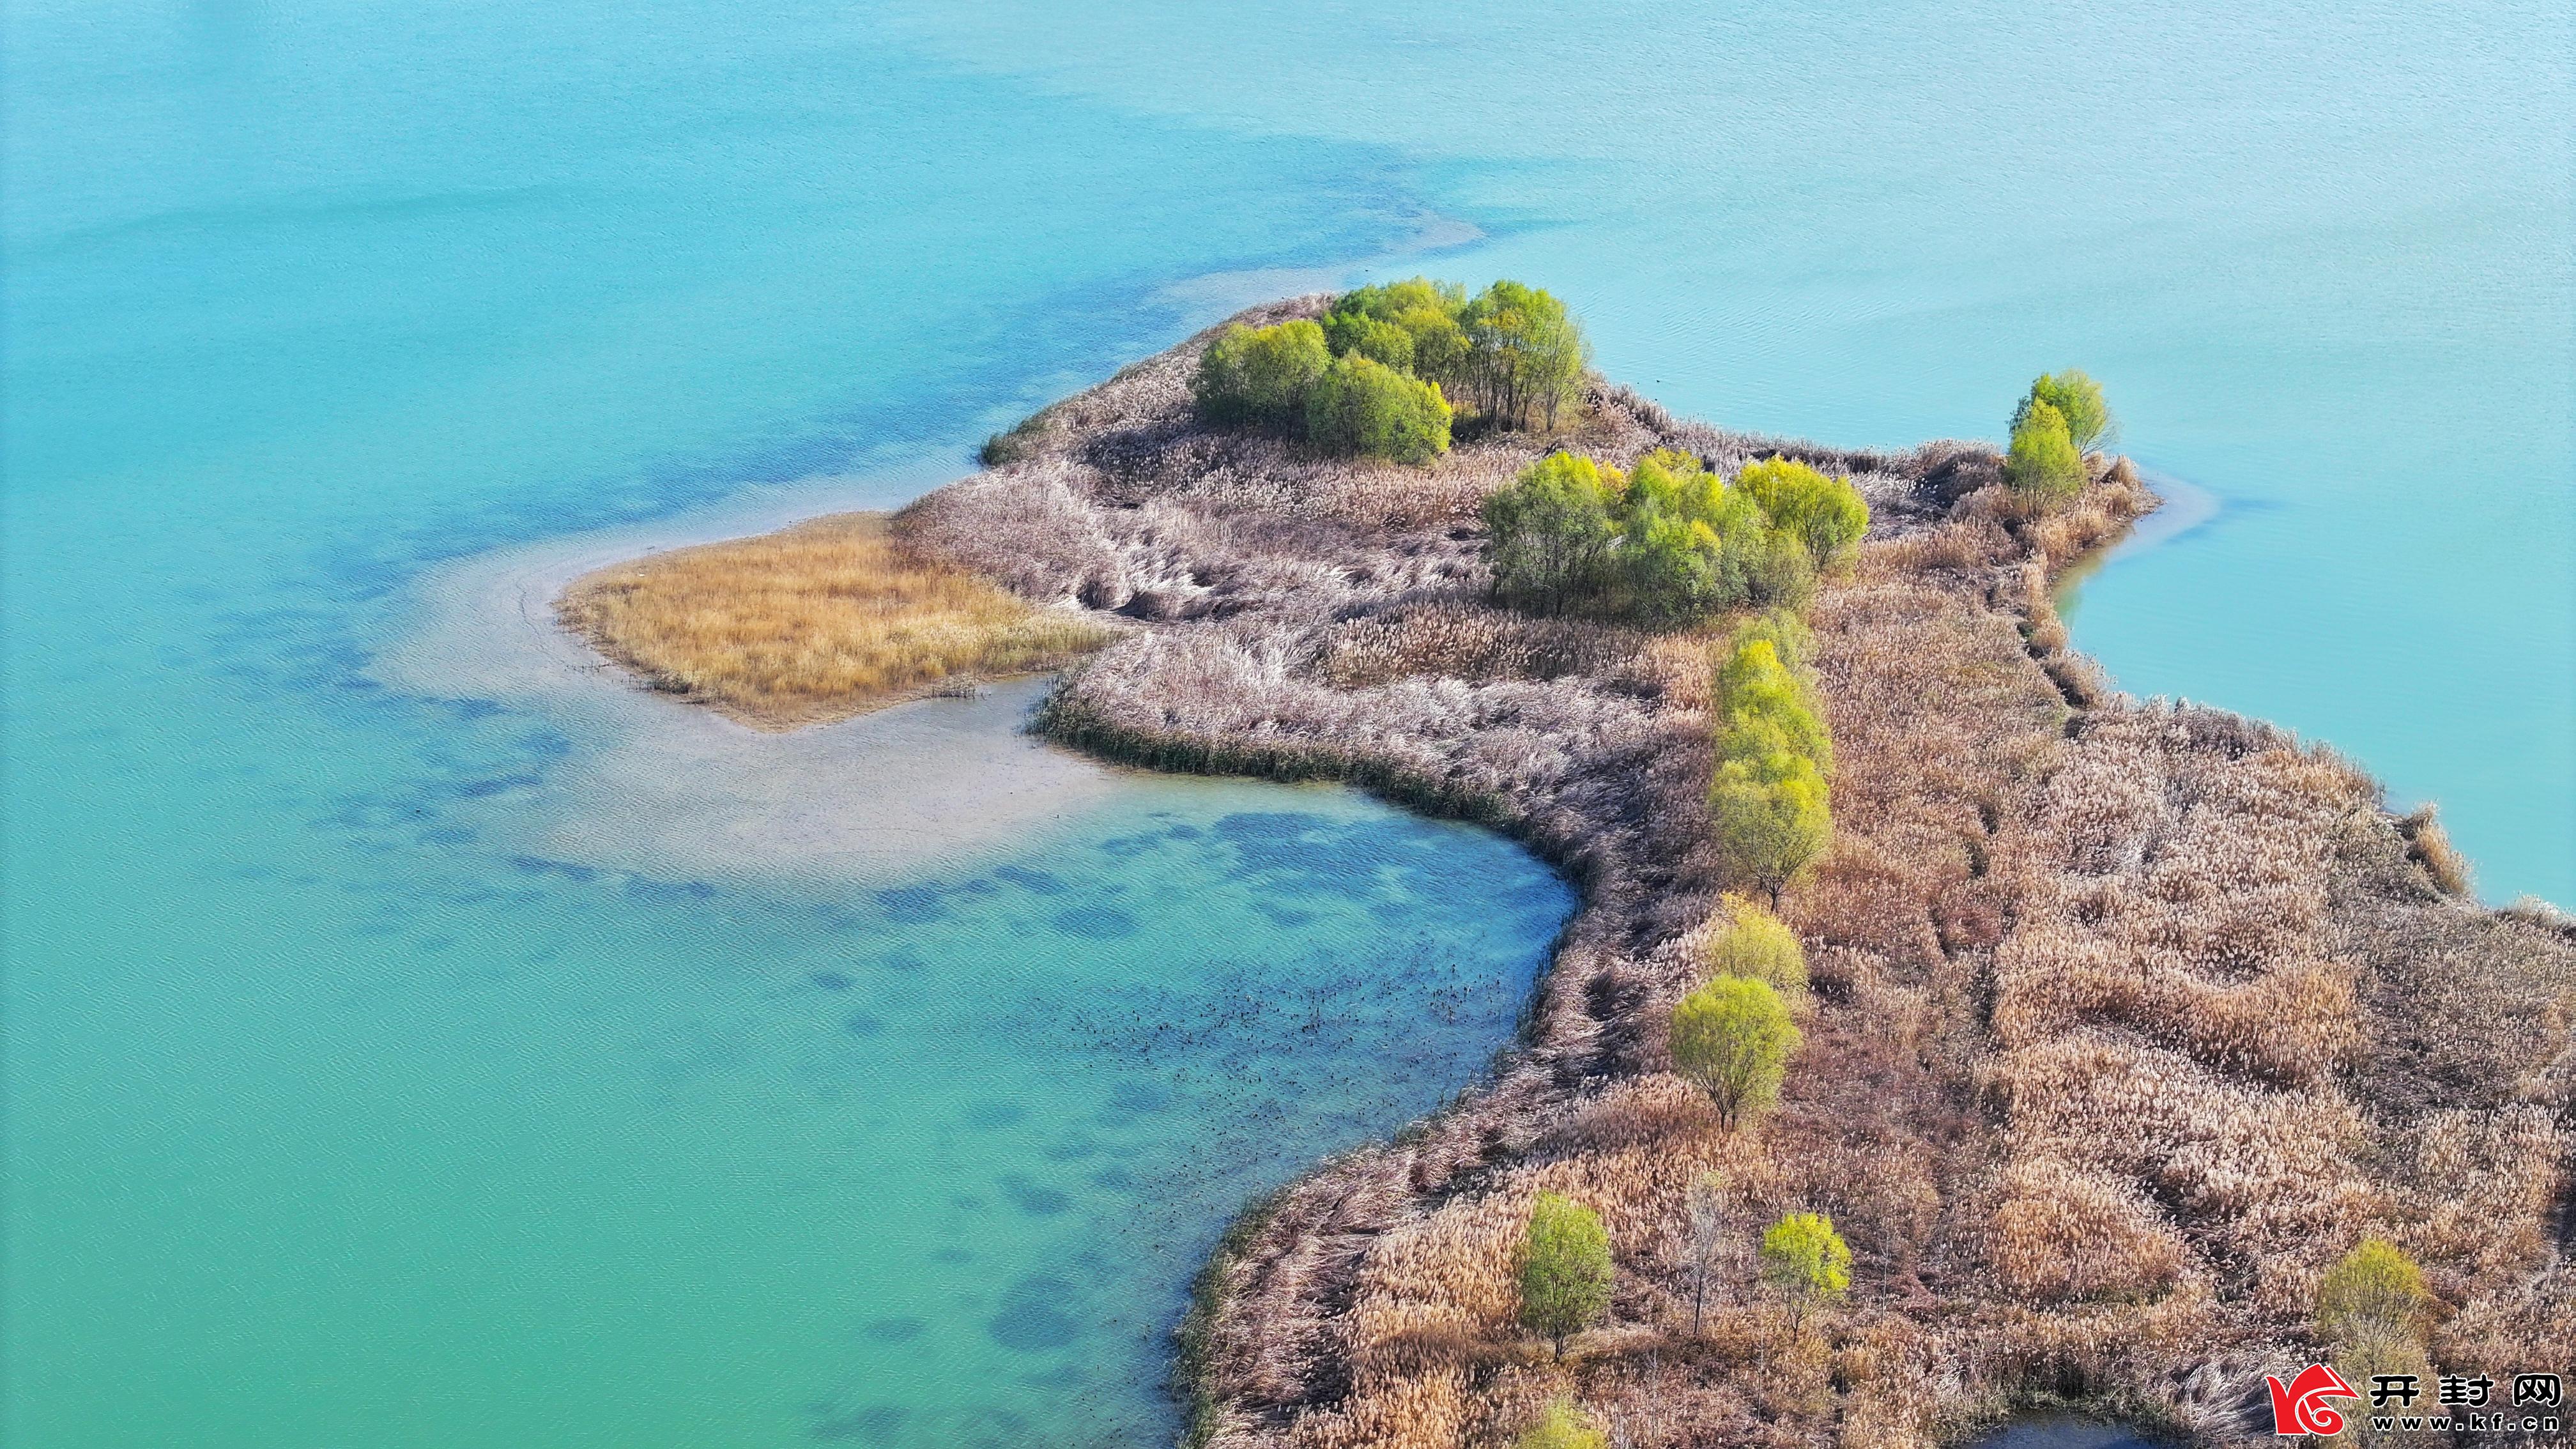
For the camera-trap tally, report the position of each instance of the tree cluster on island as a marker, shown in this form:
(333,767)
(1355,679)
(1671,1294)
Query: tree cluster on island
(1668,541)
(1389,369)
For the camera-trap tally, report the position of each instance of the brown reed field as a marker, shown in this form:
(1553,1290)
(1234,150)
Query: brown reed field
(828,619)
(2127,1019)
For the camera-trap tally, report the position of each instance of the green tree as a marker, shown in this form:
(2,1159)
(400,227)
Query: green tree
(1379,342)
(1666,543)
(2373,1292)
(1424,312)
(1768,801)
(1403,301)
(2371,1318)
(1525,354)
(1805,1261)
(1758,945)
(1565,1270)
(1790,639)
(1260,375)
(1733,1037)
(1683,540)
(2043,463)
(1562,1427)
(1828,515)
(2078,399)
(1765,707)
(1366,407)
(1772,818)
(1548,535)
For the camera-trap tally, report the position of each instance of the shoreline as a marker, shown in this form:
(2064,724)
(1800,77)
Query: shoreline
(665,789)
(1260,575)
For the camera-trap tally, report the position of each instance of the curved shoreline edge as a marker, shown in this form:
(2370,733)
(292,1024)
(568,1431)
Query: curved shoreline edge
(2131,1016)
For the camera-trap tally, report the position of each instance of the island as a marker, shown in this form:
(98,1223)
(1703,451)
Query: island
(1941,1031)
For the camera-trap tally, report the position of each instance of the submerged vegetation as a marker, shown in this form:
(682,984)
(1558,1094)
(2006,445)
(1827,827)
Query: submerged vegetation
(2098,1039)
(818,622)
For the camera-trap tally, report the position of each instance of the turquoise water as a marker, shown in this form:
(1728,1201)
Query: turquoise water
(338,1116)
(2323,256)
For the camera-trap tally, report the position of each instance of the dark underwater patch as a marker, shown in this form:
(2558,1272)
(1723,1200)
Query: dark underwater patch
(912,905)
(1285,847)
(1033,1198)
(1030,1321)
(1132,1099)
(539,865)
(875,1424)
(1036,882)
(1097,923)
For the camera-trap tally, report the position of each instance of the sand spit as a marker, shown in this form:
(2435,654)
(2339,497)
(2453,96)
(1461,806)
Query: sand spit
(669,790)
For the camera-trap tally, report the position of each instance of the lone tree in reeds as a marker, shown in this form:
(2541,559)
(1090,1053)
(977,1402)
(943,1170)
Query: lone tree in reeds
(2078,400)
(1548,535)
(1756,944)
(1806,1262)
(2370,1315)
(1562,1426)
(2373,1292)
(1564,1269)
(1733,1038)
(1712,1237)
(2043,464)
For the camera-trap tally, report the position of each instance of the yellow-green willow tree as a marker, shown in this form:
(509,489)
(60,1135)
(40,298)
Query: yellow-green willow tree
(1768,802)
(1733,1039)
(1565,1270)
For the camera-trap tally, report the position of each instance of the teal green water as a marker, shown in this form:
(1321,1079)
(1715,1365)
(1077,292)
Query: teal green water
(335,1117)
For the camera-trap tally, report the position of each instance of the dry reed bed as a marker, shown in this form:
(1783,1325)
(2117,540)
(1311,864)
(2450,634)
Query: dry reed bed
(2127,1020)
(818,622)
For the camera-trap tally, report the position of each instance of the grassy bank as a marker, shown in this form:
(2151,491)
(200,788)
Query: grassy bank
(829,619)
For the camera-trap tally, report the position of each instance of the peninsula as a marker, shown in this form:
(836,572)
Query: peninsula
(1941,1031)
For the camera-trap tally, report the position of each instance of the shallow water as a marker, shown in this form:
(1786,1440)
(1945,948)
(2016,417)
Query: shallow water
(408,1047)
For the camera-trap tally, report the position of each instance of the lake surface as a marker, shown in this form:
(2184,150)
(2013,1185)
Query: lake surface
(380,1071)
